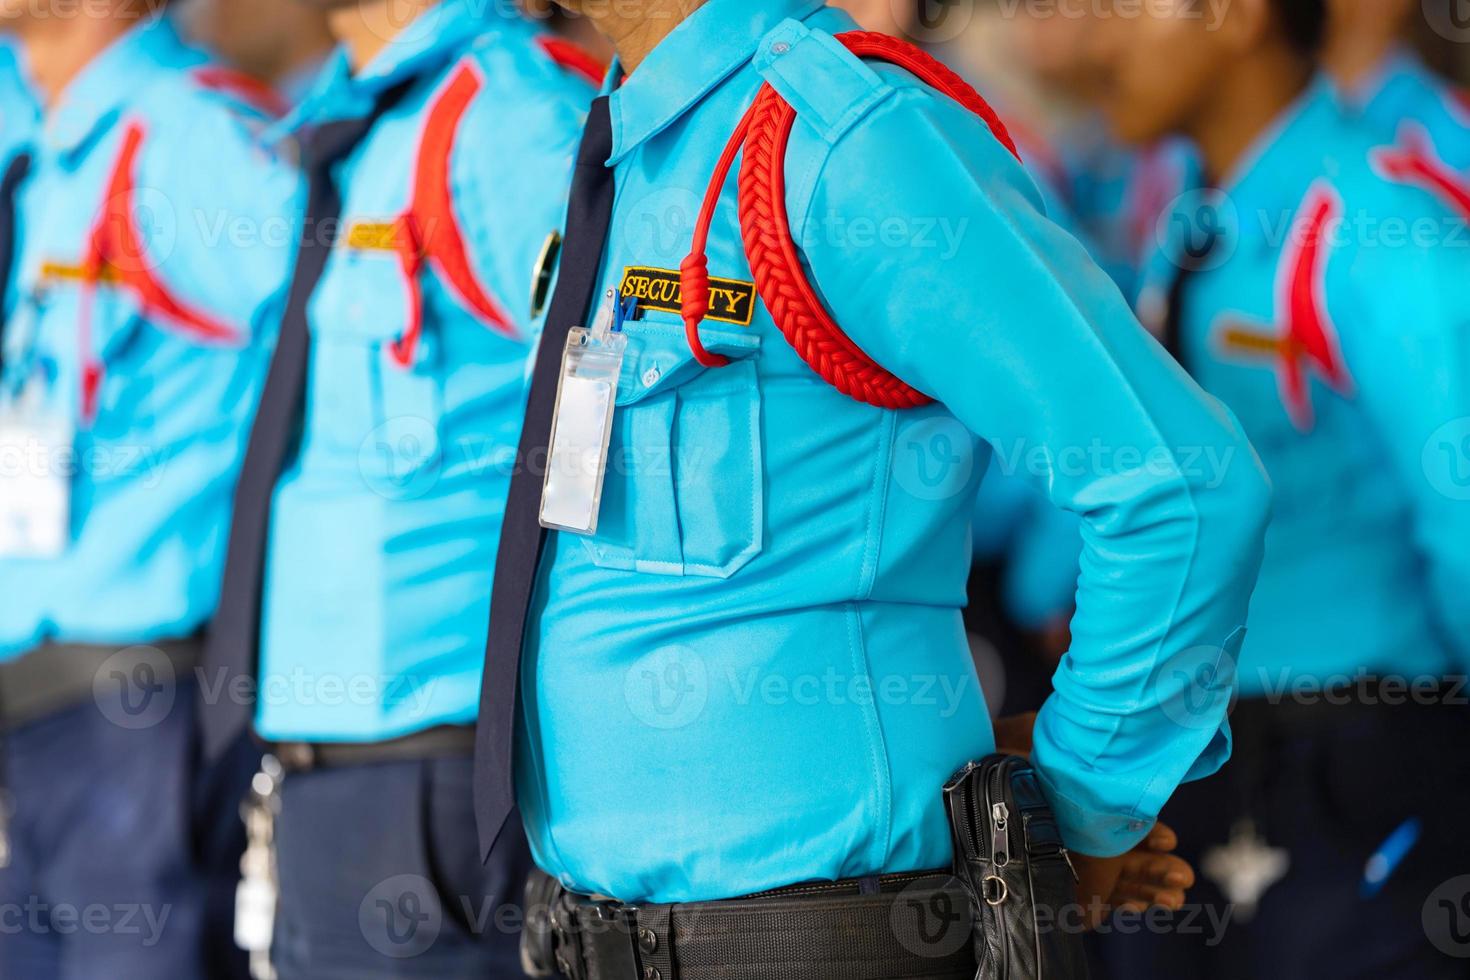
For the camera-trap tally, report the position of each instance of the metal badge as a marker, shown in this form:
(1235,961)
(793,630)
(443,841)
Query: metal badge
(1246,868)
(545,272)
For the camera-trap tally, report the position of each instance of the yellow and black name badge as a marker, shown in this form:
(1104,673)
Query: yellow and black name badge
(730,300)
(372,236)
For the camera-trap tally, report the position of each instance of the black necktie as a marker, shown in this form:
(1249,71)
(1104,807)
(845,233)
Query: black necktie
(1201,236)
(1192,260)
(234,637)
(15,174)
(589,215)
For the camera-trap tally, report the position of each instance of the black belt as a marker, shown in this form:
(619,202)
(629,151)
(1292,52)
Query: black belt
(57,676)
(442,742)
(896,927)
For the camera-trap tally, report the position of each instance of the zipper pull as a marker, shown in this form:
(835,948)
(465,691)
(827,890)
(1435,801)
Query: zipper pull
(1000,847)
(1067,856)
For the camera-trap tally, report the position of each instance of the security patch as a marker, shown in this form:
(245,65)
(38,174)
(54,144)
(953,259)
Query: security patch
(53,272)
(730,300)
(372,236)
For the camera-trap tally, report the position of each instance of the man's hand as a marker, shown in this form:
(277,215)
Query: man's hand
(1145,877)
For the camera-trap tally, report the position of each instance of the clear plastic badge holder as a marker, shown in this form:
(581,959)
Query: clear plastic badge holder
(581,426)
(35,485)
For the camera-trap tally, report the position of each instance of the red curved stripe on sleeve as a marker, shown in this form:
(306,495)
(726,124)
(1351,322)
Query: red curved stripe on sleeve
(247,88)
(1311,339)
(119,245)
(573,58)
(1417,165)
(115,243)
(430,229)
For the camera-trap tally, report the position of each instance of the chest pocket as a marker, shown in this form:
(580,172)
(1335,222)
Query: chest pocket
(45,343)
(685,488)
(367,410)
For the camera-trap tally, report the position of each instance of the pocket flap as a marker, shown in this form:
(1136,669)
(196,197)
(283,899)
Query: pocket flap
(659,358)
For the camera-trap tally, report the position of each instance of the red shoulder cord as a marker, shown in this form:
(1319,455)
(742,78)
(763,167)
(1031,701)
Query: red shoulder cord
(115,245)
(428,230)
(764,134)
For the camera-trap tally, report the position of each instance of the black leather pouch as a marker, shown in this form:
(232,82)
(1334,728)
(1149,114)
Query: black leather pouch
(1019,877)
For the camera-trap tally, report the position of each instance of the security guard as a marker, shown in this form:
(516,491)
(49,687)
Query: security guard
(1323,301)
(154,242)
(751,673)
(362,551)
(1385,82)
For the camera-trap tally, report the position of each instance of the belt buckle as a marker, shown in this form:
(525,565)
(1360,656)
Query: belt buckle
(613,942)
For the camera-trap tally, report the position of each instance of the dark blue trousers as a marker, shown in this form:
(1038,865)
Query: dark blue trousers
(106,881)
(381,877)
(1331,795)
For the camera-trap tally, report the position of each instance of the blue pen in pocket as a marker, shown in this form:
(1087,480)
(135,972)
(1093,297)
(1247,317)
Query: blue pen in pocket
(1390,854)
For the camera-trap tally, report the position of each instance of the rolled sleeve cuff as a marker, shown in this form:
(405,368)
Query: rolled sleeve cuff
(1092,829)
(1092,832)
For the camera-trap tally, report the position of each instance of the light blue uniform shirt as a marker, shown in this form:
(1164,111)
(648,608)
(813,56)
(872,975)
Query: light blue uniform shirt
(384,527)
(1366,433)
(755,673)
(19,111)
(19,117)
(179,342)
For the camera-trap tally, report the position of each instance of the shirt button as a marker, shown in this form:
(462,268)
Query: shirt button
(1136,825)
(780,47)
(651,376)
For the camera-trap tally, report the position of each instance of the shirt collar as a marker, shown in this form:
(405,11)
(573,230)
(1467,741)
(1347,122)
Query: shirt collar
(96,96)
(704,50)
(1399,75)
(433,39)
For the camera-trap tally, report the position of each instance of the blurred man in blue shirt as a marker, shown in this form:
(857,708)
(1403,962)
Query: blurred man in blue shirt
(369,508)
(146,290)
(1323,300)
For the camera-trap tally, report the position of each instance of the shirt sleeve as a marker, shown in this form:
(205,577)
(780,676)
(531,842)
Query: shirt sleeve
(1407,350)
(1007,322)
